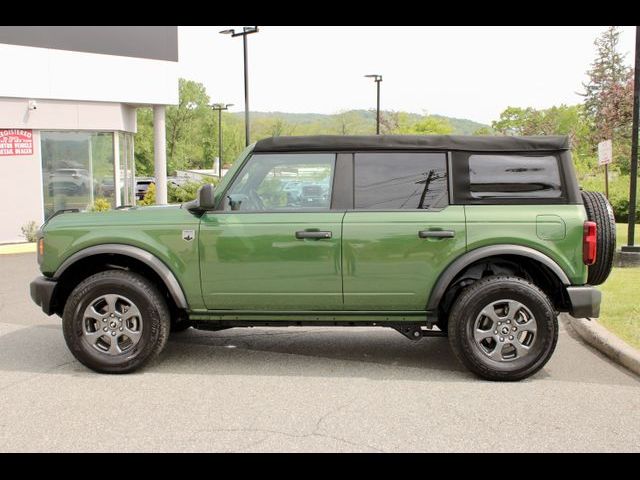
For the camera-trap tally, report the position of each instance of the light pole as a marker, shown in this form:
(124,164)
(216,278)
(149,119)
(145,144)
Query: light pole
(219,107)
(245,31)
(377,79)
(633,187)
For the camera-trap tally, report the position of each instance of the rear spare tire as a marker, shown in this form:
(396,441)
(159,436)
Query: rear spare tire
(599,211)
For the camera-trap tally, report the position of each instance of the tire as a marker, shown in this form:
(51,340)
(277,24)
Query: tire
(599,210)
(139,337)
(467,318)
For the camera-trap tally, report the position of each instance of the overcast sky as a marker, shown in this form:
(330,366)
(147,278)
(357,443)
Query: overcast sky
(466,72)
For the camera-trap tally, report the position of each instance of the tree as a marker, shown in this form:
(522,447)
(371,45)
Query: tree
(608,103)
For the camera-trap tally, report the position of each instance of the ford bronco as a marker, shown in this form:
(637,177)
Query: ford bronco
(481,239)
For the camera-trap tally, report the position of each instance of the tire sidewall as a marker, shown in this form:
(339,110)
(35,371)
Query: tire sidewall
(85,294)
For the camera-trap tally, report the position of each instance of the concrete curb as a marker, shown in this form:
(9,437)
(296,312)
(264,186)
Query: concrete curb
(602,339)
(11,248)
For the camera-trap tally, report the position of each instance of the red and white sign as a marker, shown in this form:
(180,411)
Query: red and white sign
(605,152)
(16,142)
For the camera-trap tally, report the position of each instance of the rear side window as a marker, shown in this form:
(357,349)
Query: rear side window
(500,177)
(394,181)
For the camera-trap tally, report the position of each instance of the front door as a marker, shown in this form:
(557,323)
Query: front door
(277,243)
(402,232)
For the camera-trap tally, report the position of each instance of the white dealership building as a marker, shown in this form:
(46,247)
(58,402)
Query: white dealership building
(68,99)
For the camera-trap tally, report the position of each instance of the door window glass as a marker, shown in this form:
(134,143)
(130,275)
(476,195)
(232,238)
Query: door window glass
(283,182)
(392,181)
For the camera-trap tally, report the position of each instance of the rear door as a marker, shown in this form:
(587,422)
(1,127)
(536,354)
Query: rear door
(401,233)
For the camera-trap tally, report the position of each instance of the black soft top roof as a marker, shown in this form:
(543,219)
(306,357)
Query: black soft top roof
(414,142)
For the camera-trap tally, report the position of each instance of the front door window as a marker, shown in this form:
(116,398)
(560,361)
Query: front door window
(279,182)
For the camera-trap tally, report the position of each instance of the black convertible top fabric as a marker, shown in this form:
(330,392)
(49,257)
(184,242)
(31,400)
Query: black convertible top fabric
(414,142)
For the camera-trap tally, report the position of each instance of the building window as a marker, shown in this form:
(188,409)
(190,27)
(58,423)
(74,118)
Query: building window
(79,167)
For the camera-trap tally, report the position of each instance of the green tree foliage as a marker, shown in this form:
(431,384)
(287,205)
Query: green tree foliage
(608,94)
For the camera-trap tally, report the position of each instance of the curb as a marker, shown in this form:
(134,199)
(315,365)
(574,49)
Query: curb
(9,249)
(603,340)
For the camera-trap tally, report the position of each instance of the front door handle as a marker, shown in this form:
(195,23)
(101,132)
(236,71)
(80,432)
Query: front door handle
(316,235)
(436,234)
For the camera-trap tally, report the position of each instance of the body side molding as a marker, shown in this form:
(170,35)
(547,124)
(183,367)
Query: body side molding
(472,256)
(157,265)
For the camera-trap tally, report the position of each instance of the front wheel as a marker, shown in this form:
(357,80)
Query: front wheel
(503,328)
(115,321)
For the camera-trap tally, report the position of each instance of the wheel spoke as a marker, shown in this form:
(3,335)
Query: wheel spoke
(111,302)
(490,312)
(528,326)
(514,308)
(114,349)
(496,353)
(521,349)
(91,312)
(131,312)
(133,335)
(481,335)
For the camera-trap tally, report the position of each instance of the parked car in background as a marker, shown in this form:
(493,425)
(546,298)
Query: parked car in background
(142,185)
(74,181)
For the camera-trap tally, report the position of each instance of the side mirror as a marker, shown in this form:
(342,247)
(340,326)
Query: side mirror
(205,197)
(204,200)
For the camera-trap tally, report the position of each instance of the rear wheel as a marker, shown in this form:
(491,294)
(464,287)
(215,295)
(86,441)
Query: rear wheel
(503,328)
(599,211)
(115,321)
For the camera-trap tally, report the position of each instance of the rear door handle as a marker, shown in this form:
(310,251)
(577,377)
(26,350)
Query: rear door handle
(301,235)
(436,234)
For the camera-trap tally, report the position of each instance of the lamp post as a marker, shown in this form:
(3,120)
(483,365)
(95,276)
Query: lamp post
(219,107)
(245,31)
(633,187)
(377,79)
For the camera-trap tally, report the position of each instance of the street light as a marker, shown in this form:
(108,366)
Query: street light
(219,107)
(377,79)
(245,31)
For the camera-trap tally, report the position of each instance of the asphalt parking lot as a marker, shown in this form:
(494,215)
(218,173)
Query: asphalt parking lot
(305,389)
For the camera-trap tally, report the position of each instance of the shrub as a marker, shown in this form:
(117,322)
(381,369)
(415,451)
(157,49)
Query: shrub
(29,231)
(149,196)
(100,204)
(187,191)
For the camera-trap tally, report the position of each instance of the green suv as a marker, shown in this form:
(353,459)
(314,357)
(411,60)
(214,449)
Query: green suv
(481,239)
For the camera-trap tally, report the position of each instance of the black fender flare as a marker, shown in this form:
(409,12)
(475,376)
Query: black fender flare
(477,254)
(157,265)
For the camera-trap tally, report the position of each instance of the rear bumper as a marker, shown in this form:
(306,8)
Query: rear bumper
(585,301)
(42,292)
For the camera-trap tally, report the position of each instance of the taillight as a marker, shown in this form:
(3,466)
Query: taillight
(589,243)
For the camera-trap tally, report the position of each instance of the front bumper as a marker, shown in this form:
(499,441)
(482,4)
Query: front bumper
(42,292)
(584,301)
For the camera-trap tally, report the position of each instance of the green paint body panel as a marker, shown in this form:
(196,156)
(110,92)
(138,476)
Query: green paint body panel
(387,266)
(157,230)
(521,224)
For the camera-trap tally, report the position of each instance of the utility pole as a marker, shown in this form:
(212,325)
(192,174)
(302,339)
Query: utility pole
(377,79)
(219,107)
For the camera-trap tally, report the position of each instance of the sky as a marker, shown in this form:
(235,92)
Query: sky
(464,72)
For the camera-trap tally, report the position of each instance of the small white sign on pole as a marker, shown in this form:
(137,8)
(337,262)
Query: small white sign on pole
(605,152)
